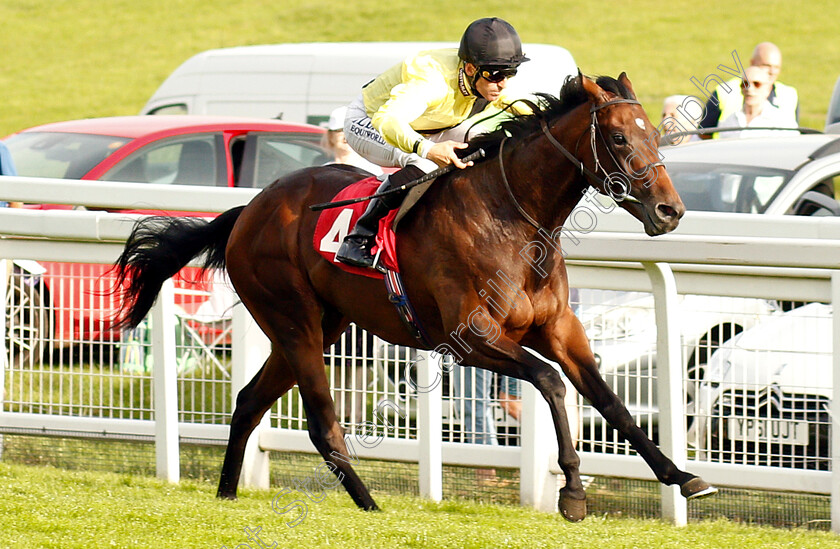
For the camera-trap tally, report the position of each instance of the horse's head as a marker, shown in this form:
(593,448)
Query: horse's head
(625,146)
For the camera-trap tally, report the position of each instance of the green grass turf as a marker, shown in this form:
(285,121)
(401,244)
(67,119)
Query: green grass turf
(66,59)
(50,508)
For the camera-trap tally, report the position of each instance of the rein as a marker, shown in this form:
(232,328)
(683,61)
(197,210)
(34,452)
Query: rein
(593,176)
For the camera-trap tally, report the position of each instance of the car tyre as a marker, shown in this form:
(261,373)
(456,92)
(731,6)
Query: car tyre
(26,323)
(696,367)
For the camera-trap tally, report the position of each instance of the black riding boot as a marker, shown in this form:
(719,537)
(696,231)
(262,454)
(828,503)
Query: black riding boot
(355,249)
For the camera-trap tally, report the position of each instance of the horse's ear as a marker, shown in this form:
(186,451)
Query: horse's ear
(594,91)
(626,82)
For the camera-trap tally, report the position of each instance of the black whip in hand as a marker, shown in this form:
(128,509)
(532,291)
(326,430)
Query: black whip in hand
(477,155)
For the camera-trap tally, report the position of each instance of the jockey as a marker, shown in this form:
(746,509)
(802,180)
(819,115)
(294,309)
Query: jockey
(411,116)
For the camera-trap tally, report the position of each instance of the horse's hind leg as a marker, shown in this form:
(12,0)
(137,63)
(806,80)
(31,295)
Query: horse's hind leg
(548,382)
(252,402)
(324,430)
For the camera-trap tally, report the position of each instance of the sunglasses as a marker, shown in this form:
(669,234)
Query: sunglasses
(754,84)
(496,75)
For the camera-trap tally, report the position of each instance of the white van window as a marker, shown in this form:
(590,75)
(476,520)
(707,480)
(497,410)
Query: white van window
(192,161)
(178,108)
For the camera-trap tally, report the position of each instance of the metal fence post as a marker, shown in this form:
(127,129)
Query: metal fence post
(537,486)
(250,350)
(669,386)
(165,377)
(835,402)
(4,351)
(430,374)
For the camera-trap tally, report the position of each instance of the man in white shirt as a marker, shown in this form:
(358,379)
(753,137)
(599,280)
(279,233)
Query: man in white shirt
(756,111)
(725,99)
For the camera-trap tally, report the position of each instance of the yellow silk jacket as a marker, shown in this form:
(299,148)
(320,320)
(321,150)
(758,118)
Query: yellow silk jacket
(424,94)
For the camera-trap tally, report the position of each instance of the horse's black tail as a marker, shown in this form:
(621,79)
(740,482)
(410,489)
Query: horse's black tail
(157,248)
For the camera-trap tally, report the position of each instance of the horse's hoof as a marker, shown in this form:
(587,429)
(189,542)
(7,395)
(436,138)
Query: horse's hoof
(573,510)
(697,488)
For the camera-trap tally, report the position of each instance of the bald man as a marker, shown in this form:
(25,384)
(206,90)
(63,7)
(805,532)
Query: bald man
(727,98)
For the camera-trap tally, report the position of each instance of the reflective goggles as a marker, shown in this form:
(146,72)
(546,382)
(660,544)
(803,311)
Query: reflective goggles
(496,74)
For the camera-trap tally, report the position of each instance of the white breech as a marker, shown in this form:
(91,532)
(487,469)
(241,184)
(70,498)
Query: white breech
(369,143)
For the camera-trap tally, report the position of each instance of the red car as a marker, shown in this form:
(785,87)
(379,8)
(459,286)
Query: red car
(183,150)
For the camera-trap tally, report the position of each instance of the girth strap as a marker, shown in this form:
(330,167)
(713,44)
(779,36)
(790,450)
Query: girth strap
(398,297)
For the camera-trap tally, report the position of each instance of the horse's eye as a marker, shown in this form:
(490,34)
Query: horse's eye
(619,139)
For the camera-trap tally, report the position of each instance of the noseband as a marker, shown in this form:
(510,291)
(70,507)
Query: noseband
(594,129)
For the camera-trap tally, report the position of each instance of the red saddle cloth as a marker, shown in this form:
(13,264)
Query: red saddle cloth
(335,223)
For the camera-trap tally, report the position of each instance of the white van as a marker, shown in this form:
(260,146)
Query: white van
(305,82)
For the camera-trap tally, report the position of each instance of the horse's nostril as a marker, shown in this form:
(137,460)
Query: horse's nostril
(666,212)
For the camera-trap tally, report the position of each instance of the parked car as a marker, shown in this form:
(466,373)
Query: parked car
(788,174)
(65,304)
(622,330)
(766,175)
(791,174)
(179,150)
(766,396)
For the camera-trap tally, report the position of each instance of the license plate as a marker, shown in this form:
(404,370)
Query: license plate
(775,431)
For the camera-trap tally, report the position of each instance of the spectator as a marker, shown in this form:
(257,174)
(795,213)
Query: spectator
(7,167)
(726,100)
(335,142)
(675,121)
(475,386)
(510,396)
(756,111)
(473,390)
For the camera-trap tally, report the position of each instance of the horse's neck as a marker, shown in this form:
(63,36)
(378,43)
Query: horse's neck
(545,183)
(476,203)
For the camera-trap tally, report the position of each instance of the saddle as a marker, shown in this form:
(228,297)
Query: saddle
(335,223)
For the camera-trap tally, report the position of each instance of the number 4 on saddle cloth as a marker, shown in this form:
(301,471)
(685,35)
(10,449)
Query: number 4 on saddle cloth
(335,223)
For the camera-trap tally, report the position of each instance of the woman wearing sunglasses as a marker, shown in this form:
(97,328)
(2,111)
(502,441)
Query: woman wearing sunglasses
(412,116)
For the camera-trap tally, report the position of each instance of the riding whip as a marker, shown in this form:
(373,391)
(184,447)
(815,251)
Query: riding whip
(428,177)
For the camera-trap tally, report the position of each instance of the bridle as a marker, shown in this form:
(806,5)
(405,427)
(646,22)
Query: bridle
(594,129)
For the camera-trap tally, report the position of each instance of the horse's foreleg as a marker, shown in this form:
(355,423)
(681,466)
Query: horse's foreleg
(509,358)
(572,351)
(252,402)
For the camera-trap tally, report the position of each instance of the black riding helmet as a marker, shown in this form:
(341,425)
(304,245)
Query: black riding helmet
(491,42)
(492,45)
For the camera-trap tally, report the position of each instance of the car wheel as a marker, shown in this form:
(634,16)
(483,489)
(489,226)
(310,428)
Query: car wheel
(696,367)
(26,322)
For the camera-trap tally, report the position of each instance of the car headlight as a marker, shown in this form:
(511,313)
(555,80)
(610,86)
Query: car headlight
(716,370)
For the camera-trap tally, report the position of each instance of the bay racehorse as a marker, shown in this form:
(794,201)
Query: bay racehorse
(469,227)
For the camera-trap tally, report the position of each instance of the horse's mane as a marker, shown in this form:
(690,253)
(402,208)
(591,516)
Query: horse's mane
(549,107)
